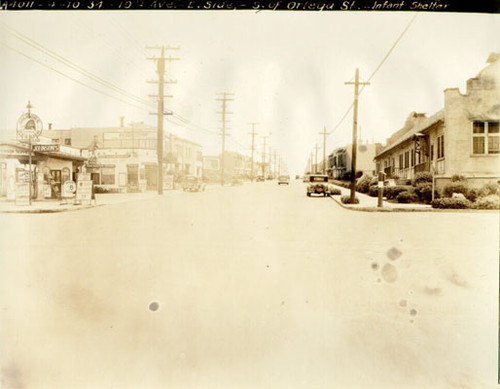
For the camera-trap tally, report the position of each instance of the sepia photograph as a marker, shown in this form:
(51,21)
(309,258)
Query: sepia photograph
(282,195)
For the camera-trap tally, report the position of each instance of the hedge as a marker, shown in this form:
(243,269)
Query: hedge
(335,191)
(422,177)
(489,189)
(406,197)
(363,184)
(488,202)
(451,203)
(391,192)
(373,191)
(424,192)
(347,200)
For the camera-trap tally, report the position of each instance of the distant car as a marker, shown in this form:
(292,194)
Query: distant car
(318,184)
(260,178)
(285,180)
(193,184)
(305,178)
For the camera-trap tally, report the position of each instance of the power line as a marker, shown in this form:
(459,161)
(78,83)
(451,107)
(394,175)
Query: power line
(71,78)
(376,70)
(72,65)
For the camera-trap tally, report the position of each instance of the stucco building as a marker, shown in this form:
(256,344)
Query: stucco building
(124,158)
(461,139)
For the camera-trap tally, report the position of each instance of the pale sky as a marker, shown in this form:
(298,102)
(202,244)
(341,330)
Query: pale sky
(286,70)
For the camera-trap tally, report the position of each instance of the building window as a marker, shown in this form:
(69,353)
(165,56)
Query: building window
(412,157)
(108,176)
(440,147)
(401,161)
(432,152)
(67,141)
(407,159)
(485,138)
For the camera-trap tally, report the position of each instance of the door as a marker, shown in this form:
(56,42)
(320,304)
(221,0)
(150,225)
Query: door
(133,178)
(151,177)
(55,184)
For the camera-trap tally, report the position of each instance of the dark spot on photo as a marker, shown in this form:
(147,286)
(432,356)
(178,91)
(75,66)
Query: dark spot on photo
(11,377)
(403,303)
(154,306)
(413,312)
(394,253)
(389,273)
(375,266)
(432,291)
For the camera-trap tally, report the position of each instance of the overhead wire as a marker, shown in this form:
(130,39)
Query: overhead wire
(376,70)
(69,77)
(72,65)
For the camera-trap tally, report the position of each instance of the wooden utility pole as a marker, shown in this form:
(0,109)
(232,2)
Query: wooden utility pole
(224,112)
(316,159)
(356,84)
(275,171)
(264,155)
(253,133)
(311,164)
(160,69)
(324,133)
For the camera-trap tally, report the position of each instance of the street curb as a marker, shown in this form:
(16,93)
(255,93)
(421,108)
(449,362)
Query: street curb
(376,209)
(55,210)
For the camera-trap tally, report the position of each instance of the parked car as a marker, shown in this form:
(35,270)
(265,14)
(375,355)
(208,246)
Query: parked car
(260,178)
(318,184)
(285,180)
(193,184)
(305,178)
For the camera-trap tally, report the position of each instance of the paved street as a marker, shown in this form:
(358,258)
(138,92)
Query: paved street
(252,286)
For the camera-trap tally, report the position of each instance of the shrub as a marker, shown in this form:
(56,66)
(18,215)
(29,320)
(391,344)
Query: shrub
(424,192)
(345,176)
(100,189)
(422,177)
(363,184)
(458,178)
(472,194)
(373,191)
(451,203)
(406,197)
(347,200)
(489,189)
(335,191)
(488,202)
(456,187)
(391,192)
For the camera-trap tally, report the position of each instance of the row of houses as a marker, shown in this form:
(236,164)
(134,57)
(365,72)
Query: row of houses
(463,138)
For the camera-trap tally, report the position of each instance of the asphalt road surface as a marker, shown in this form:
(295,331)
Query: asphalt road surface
(254,286)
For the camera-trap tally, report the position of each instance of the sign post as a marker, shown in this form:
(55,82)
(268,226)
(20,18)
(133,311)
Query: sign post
(380,202)
(29,127)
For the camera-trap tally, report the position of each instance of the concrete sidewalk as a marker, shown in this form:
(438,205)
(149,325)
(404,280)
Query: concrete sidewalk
(53,206)
(368,203)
